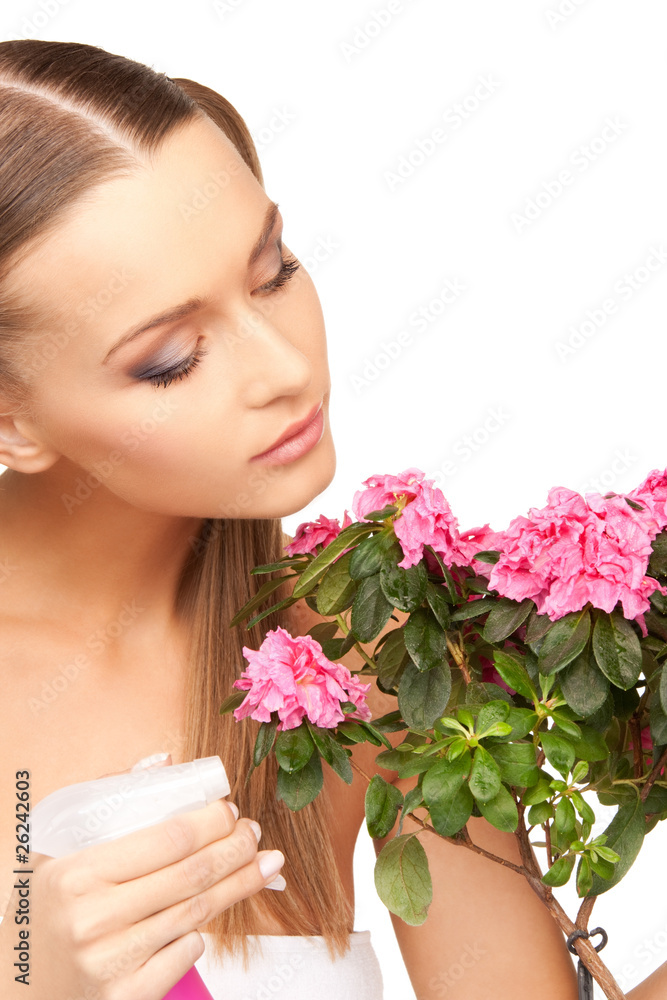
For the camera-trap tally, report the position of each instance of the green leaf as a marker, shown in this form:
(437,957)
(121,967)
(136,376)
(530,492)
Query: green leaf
(288,602)
(591,745)
(569,728)
(382,514)
(294,748)
(540,813)
(583,807)
(602,867)
(352,731)
(287,563)
(501,811)
(584,687)
(260,597)
(558,751)
(584,876)
(370,610)
(564,641)
(657,722)
(413,800)
(560,871)
(539,792)
(490,713)
(447,795)
(404,589)
(403,880)
(366,559)
(424,639)
(617,649)
(232,701)
(436,596)
(323,631)
(346,539)
(505,617)
(625,835)
(423,694)
(473,609)
(266,736)
(537,626)
(517,763)
(298,788)
(522,721)
(333,649)
(514,674)
(488,556)
(374,735)
(484,779)
(662,689)
(657,565)
(334,754)
(382,803)
(337,589)
(392,658)
(566,818)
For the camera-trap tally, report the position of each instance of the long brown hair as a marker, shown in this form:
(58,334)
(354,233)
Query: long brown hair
(73,116)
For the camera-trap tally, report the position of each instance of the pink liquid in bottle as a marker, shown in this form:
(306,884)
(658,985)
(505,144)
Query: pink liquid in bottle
(190,987)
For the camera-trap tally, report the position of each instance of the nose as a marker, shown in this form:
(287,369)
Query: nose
(273,365)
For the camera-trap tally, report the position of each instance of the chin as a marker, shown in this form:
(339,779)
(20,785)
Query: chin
(302,482)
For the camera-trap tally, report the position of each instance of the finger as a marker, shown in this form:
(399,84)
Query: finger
(151,935)
(137,899)
(165,968)
(155,847)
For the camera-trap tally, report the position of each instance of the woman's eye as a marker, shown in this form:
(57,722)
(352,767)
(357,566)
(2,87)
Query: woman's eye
(290,265)
(179,371)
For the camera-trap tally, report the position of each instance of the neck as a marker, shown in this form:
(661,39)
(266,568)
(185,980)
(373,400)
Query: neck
(76,553)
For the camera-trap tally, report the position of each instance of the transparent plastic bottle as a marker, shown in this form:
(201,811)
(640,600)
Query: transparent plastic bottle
(94,812)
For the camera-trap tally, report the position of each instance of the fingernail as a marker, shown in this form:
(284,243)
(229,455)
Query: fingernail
(235,809)
(256,829)
(271,863)
(155,758)
(278,883)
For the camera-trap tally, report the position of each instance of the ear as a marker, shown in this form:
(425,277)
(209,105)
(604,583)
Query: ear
(21,446)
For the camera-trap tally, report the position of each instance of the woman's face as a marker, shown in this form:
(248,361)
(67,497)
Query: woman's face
(138,247)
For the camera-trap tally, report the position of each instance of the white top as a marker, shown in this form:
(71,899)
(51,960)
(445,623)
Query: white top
(295,967)
(302,964)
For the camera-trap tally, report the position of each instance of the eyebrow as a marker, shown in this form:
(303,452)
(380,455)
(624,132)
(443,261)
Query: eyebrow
(197,302)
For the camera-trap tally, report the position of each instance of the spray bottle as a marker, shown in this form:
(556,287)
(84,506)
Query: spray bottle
(94,812)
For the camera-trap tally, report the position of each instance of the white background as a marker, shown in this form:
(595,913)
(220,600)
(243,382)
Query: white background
(523,382)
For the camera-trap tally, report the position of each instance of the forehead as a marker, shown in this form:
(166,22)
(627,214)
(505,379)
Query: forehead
(195,197)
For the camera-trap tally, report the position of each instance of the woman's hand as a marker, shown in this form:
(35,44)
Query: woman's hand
(118,921)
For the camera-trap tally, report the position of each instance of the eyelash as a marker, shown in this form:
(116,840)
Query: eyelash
(290,265)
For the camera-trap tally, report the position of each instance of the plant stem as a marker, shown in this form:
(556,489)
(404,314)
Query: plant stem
(459,659)
(655,771)
(342,625)
(635,729)
(582,946)
(530,870)
(547,833)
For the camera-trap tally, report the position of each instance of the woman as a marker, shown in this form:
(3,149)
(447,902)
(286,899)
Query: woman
(156,340)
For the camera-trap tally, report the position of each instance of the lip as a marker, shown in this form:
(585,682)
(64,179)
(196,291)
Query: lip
(293,431)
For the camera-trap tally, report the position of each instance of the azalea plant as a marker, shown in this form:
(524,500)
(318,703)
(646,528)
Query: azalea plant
(528,673)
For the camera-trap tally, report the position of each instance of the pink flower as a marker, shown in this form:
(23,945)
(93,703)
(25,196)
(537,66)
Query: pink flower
(573,551)
(425,517)
(653,493)
(479,540)
(291,675)
(310,534)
